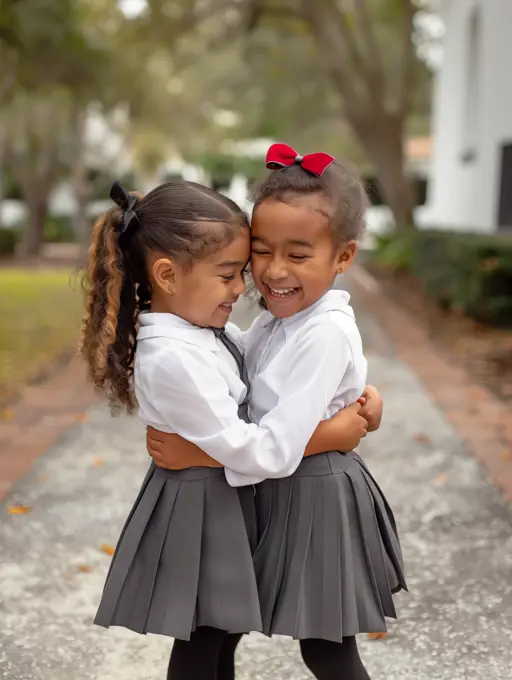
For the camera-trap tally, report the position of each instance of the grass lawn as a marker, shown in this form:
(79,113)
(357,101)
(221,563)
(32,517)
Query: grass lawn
(40,311)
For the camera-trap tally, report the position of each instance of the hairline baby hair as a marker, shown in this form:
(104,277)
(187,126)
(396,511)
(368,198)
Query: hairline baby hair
(340,184)
(184,220)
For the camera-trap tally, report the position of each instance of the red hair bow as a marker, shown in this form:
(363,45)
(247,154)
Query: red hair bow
(283,156)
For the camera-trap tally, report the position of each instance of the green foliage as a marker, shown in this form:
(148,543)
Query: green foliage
(222,167)
(57,229)
(173,176)
(394,251)
(47,43)
(11,188)
(471,273)
(40,311)
(8,240)
(101,183)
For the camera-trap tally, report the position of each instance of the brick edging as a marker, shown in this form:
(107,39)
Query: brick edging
(37,420)
(47,410)
(480,418)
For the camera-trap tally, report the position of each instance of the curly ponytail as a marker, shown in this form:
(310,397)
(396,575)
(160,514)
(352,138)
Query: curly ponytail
(108,330)
(184,220)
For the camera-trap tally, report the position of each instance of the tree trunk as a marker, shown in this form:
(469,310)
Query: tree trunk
(351,55)
(382,140)
(81,222)
(7,83)
(38,210)
(81,186)
(2,170)
(32,154)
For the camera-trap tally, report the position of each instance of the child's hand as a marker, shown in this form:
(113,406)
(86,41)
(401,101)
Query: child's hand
(371,407)
(172,452)
(352,427)
(354,424)
(342,432)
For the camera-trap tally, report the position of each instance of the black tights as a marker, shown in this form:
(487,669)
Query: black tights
(333,661)
(210,655)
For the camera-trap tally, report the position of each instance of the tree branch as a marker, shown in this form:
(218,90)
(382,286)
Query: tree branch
(10,38)
(193,16)
(256,10)
(373,61)
(338,52)
(339,16)
(46,131)
(7,85)
(19,169)
(407,63)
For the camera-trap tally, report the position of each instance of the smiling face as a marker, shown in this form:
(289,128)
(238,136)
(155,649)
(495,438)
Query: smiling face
(202,293)
(294,258)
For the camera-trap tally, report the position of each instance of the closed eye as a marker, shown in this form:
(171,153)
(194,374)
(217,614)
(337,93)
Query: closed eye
(232,277)
(299,258)
(260,252)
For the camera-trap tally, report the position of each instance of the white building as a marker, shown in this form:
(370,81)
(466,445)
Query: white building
(471,175)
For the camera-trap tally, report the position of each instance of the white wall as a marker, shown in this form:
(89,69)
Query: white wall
(472,112)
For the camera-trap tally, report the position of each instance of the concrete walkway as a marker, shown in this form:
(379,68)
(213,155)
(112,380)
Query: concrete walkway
(455,624)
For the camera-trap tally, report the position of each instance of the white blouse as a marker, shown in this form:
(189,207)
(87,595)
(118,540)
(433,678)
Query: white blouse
(302,370)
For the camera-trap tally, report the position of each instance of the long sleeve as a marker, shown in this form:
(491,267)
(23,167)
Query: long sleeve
(320,359)
(193,399)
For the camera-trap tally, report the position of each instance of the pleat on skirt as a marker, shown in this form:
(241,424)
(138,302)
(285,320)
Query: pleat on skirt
(184,558)
(328,559)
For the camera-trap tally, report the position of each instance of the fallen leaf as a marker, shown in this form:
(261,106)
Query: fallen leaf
(377,636)
(84,568)
(7,414)
(18,509)
(506,455)
(97,461)
(107,549)
(422,438)
(440,479)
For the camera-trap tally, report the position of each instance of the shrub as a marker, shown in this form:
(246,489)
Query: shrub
(471,273)
(58,229)
(393,250)
(8,241)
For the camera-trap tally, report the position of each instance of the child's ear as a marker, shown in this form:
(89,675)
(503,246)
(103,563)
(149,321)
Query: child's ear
(345,256)
(163,273)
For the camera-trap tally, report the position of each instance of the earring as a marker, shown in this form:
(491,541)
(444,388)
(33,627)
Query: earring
(171,290)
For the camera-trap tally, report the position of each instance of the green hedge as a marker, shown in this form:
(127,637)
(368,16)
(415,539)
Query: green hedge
(471,273)
(8,240)
(58,229)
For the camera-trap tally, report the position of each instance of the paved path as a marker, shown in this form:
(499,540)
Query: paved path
(455,624)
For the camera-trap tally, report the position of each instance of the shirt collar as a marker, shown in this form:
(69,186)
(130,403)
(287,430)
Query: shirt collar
(333,300)
(162,325)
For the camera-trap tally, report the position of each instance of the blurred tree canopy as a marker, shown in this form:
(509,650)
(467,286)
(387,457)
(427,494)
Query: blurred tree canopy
(338,73)
(193,77)
(51,59)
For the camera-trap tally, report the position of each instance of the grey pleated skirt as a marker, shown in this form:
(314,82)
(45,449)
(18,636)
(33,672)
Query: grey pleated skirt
(328,558)
(184,558)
